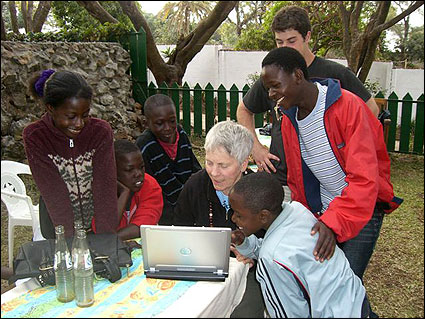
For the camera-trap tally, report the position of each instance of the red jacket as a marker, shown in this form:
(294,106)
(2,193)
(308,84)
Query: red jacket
(146,205)
(356,138)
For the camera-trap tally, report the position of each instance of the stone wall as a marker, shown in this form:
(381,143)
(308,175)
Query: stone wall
(103,65)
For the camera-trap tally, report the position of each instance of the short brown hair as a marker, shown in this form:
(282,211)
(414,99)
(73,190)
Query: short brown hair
(292,17)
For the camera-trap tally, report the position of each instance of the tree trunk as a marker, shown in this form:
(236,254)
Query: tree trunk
(186,48)
(3,29)
(13,17)
(160,70)
(97,11)
(24,14)
(29,15)
(40,15)
(359,47)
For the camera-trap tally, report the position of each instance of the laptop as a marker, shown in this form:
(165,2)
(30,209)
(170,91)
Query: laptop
(186,253)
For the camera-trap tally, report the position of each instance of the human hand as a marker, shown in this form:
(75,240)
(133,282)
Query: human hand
(237,237)
(262,158)
(241,258)
(325,246)
(121,188)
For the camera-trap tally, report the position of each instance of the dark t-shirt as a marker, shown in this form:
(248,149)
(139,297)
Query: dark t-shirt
(257,101)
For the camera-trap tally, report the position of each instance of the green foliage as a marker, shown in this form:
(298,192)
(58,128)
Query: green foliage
(415,45)
(76,24)
(325,22)
(374,87)
(252,78)
(168,52)
(102,33)
(256,39)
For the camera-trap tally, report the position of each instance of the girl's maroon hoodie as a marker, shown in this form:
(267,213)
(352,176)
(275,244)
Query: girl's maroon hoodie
(75,177)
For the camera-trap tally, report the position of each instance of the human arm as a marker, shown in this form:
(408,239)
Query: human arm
(237,238)
(145,209)
(123,196)
(249,246)
(129,232)
(260,154)
(373,106)
(105,181)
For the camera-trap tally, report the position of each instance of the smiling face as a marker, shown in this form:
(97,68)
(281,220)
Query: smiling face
(131,170)
(223,169)
(162,121)
(71,116)
(246,221)
(282,87)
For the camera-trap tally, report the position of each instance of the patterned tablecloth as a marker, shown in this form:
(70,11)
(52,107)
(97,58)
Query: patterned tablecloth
(134,296)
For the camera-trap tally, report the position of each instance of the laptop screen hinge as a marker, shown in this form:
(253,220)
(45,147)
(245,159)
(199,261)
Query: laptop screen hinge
(219,272)
(152,269)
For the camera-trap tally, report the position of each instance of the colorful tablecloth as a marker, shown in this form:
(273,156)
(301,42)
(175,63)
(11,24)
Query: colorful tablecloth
(134,296)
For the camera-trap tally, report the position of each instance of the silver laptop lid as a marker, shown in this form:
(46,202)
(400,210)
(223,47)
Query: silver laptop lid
(186,249)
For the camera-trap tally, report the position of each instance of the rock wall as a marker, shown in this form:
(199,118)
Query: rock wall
(103,65)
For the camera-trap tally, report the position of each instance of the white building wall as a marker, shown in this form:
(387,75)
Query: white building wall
(217,66)
(407,81)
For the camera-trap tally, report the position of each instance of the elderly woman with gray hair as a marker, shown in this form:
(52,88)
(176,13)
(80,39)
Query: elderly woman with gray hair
(204,198)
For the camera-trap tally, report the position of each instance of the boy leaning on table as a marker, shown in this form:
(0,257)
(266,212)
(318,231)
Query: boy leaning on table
(293,282)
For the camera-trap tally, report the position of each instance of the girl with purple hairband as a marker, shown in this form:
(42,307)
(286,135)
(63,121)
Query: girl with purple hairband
(71,156)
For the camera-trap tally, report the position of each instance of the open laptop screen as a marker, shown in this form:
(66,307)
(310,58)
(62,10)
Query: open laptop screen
(186,253)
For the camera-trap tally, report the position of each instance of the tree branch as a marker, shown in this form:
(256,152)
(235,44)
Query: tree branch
(154,60)
(97,11)
(194,42)
(395,20)
(40,15)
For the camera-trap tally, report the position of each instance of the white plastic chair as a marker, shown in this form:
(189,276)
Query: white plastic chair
(19,205)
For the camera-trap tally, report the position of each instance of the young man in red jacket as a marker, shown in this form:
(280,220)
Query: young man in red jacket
(338,165)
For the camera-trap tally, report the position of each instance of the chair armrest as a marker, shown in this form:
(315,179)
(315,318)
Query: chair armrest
(12,194)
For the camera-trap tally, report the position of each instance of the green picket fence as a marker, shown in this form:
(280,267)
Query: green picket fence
(408,136)
(198,109)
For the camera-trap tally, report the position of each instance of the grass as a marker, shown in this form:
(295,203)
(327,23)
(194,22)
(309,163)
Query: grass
(394,279)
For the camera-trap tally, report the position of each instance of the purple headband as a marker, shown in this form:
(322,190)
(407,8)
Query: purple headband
(39,84)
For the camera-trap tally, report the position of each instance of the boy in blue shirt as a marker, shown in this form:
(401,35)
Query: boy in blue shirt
(293,282)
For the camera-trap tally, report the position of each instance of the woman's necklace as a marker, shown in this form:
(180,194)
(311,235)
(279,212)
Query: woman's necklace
(210,215)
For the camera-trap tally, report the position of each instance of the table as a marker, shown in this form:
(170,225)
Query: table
(134,296)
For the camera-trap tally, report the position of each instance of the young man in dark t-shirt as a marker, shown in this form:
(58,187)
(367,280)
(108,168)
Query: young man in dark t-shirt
(291,27)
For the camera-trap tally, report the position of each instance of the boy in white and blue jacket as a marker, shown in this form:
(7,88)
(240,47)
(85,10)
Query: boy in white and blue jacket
(293,282)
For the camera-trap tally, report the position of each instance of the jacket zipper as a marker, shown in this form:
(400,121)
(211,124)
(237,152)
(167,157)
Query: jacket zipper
(71,145)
